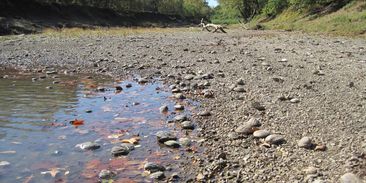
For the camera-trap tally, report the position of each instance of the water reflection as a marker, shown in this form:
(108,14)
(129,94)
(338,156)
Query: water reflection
(38,140)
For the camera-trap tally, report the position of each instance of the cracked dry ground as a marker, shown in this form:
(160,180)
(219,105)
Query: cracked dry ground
(295,85)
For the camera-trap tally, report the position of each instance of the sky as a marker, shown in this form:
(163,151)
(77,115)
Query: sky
(212,3)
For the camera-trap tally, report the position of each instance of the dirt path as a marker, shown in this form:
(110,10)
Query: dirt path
(295,85)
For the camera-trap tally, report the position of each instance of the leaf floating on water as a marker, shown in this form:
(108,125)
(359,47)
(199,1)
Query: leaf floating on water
(133,140)
(115,136)
(8,152)
(53,172)
(28,179)
(77,122)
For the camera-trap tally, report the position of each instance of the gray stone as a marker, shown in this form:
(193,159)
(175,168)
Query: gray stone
(4,163)
(157,175)
(180,118)
(179,96)
(122,150)
(106,174)
(172,143)
(295,100)
(261,133)
(185,141)
(258,106)
(142,80)
(274,139)
(204,113)
(153,167)
(163,109)
(187,125)
(164,136)
(248,127)
(350,178)
(88,146)
(179,107)
(305,142)
(310,170)
(240,81)
(189,77)
(239,89)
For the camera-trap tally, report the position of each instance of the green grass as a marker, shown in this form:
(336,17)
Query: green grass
(348,21)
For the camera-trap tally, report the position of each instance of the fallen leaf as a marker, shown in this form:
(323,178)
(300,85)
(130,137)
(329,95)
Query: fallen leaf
(53,172)
(133,140)
(77,122)
(320,147)
(115,136)
(28,179)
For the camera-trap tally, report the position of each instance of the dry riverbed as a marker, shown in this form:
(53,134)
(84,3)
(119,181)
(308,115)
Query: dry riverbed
(275,106)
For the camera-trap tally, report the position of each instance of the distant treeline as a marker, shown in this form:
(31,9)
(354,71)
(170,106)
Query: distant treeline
(185,8)
(246,9)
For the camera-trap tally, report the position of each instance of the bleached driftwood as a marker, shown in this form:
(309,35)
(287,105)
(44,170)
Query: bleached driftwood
(215,26)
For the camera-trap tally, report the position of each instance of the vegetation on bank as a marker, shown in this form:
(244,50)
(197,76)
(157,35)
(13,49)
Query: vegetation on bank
(341,17)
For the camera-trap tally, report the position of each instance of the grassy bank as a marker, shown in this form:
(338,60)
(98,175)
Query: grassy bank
(348,21)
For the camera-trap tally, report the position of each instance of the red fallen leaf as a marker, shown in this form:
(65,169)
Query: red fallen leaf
(77,122)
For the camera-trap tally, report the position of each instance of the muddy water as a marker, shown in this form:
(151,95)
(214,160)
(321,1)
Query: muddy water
(38,141)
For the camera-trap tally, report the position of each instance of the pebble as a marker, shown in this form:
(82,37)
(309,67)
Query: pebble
(208,93)
(49,87)
(204,113)
(350,178)
(310,170)
(142,80)
(179,107)
(305,142)
(153,167)
(4,163)
(163,109)
(106,174)
(88,146)
(129,85)
(164,136)
(189,77)
(274,139)
(179,96)
(157,175)
(261,133)
(101,89)
(295,100)
(123,149)
(187,125)
(240,82)
(185,141)
(239,89)
(233,135)
(51,72)
(248,127)
(119,88)
(180,118)
(258,106)
(172,143)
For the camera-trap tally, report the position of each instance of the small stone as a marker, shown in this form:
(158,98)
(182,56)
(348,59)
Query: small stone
(164,136)
(88,111)
(239,89)
(187,125)
(208,93)
(172,143)
(258,106)
(295,100)
(179,96)
(4,163)
(200,177)
(49,87)
(179,107)
(129,85)
(320,147)
(153,167)
(310,170)
(55,82)
(233,135)
(305,142)
(122,150)
(142,80)
(319,73)
(106,174)
(261,133)
(283,60)
(185,141)
(88,146)
(350,178)
(119,88)
(174,176)
(248,127)
(5,76)
(278,79)
(240,82)
(51,72)
(101,89)
(163,109)
(189,77)
(157,175)
(274,139)
(180,118)
(204,113)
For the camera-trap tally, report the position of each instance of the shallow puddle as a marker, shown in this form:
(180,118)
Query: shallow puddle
(41,122)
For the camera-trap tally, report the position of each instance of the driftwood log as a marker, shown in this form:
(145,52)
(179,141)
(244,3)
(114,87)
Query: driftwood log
(214,26)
